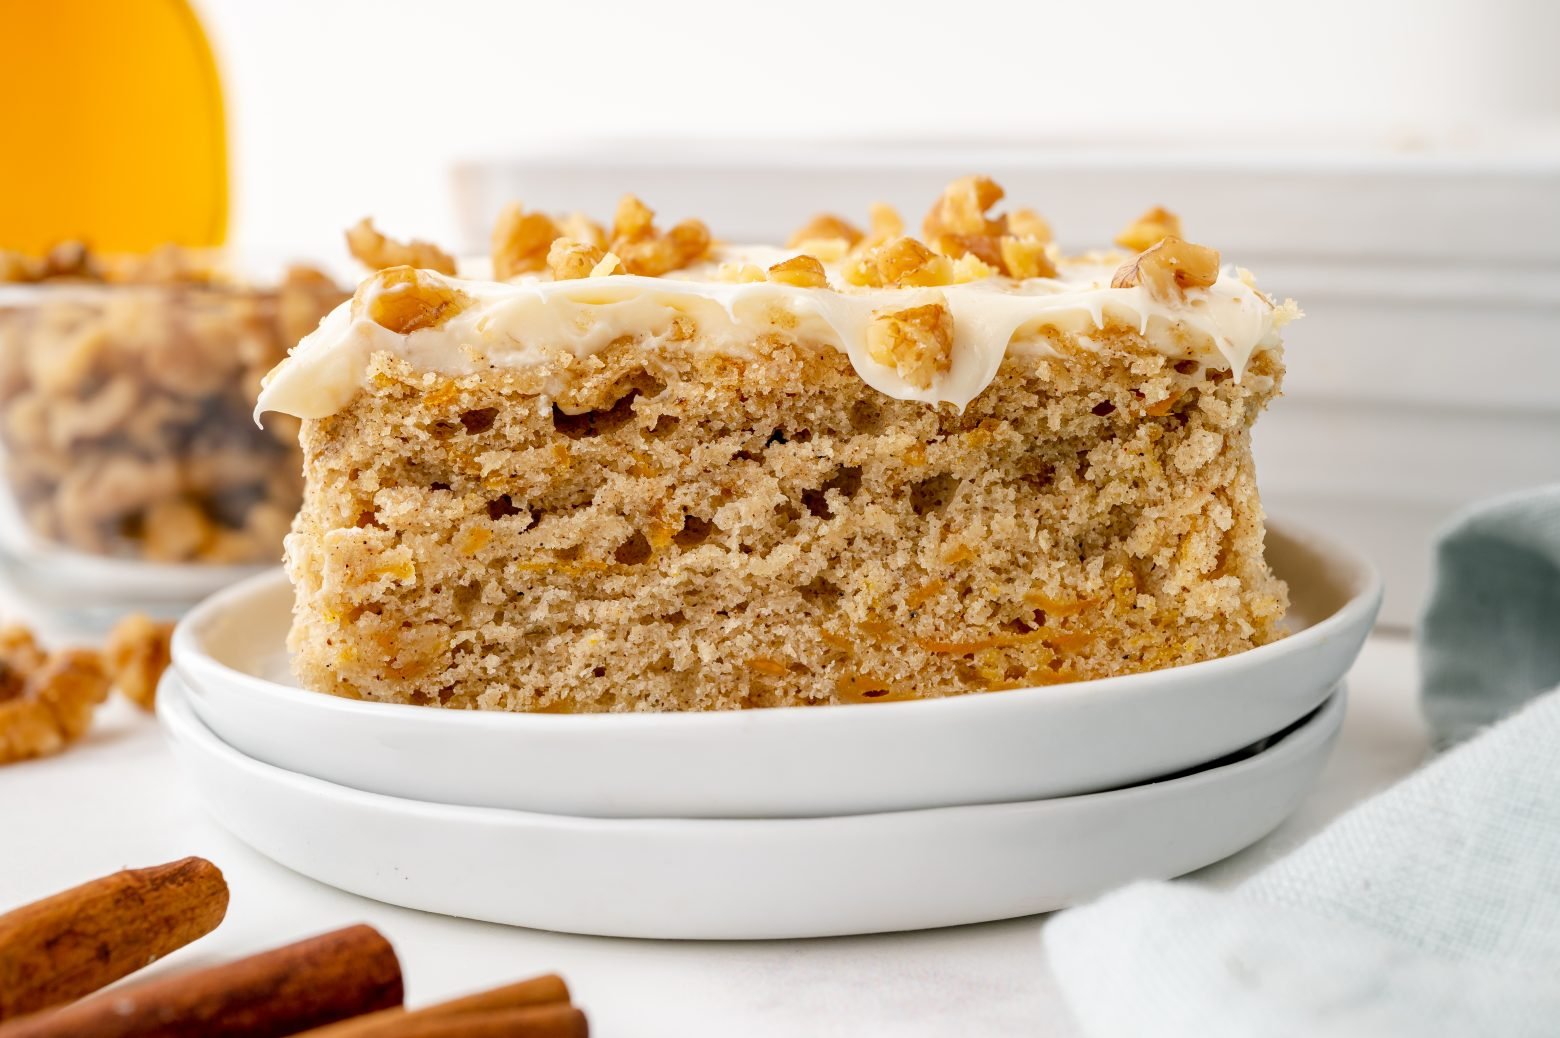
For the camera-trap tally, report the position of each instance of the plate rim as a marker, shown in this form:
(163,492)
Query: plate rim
(181,723)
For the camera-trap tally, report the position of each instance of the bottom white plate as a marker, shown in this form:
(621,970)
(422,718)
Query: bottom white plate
(748,879)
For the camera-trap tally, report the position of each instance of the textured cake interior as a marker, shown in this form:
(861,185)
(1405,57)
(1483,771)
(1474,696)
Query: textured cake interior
(683,531)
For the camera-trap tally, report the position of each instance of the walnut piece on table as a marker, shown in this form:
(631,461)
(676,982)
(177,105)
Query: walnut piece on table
(46,698)
(136,654)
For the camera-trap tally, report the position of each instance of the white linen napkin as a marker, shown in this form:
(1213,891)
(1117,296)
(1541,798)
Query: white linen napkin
(1432,909)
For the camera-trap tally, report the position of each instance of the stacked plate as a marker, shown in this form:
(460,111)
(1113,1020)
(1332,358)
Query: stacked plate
(767,823)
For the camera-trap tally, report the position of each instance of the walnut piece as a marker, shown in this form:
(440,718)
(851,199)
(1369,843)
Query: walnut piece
(46,698)
(740,273)
(570,260)
(801,271)
(900,263)
(962,210)
(985,247)
(1026,257)
(376,252)
(825,227)
(582,228)
(884,224)
(136,655)
(1026,223)
(177,529)
(521,241)
(1168,268)
(917,342)
(1148,229)
(960,227)
(649,253)
(609,264)
(406,300)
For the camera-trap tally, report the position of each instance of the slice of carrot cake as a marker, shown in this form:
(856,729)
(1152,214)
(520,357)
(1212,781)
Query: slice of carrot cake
(644,471)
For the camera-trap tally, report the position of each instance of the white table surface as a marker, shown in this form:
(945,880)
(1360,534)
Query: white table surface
(117,800)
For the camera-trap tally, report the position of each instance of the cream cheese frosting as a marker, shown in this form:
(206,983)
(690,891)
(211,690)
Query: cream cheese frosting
(530,321)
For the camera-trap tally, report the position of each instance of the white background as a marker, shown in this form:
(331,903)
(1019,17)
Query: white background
(341,108)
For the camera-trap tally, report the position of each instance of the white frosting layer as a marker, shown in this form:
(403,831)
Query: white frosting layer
(529,322)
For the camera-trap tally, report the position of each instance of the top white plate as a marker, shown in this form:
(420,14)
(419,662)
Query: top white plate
(1024,744)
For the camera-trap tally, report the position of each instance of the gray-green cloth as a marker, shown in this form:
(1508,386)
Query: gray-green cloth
(1490,639)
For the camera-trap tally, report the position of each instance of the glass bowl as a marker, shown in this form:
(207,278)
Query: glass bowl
(133,468)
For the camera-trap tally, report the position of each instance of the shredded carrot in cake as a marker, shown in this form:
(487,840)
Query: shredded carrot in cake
(765,665)
(925,593)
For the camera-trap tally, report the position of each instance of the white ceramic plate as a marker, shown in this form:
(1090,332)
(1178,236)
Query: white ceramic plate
(747,878)
(1019,745)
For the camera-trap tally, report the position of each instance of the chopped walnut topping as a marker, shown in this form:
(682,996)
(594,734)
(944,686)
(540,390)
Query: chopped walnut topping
(1148,229)
(958,226)
(739,273)
(962,210)
(377,252)
(46,699)
(823,227)
(137,653)
(1026,257)
(1026,223)
(884,224)
(405,300)
(985,247)
(633,219)
(825,250)
(801,271)
(521,241)
(917,342)
(608,266)
(970,267)
(646,252)
(570,260)
(1169,268)
(582,228)
(903,262)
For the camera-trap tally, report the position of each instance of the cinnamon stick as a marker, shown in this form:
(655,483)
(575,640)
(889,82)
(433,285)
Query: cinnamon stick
(79,940)
(554,1021)
(544,990)
(280,992)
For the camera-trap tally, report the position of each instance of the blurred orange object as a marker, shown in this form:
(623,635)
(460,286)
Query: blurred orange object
(114,130)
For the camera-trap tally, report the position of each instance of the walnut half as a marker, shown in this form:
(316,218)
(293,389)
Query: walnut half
(405,300)
(47,699)
(1169,268)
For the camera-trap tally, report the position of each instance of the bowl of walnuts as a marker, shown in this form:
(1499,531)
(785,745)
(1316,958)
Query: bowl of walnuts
(133,467)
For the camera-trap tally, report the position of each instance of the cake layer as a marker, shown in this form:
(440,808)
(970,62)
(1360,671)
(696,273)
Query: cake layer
(703,534)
